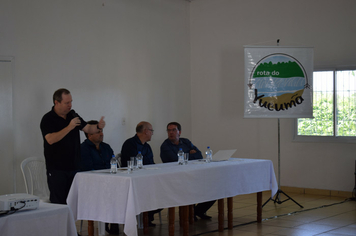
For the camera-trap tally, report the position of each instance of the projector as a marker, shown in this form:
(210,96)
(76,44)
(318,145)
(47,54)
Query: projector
(18,201)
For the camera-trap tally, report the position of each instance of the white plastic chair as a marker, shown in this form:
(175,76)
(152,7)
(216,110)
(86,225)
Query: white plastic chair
(34,174)
(35,177)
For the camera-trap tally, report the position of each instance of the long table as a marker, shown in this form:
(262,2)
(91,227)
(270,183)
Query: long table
(48,219)
(118,198)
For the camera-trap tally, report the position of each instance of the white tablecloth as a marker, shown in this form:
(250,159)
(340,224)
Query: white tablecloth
(101,196)
(48,219)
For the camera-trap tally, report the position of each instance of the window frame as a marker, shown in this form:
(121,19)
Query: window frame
(329,139)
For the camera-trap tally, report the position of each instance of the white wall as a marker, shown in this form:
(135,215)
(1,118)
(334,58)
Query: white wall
(219,29)
(127,60)
(139,60)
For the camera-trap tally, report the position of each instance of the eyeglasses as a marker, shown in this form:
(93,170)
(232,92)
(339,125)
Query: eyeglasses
(151,130)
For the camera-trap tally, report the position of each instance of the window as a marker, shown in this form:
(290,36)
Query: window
(334,106)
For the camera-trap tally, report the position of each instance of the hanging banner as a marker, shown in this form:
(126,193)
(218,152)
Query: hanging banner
(278,82)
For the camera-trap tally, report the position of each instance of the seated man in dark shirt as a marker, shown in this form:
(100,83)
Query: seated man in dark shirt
(137,143)
(171,145)
(95,154)
(169,151)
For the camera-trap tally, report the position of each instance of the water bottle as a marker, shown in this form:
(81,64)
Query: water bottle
(139,159)
(113,165)
(180,157)
(209,155)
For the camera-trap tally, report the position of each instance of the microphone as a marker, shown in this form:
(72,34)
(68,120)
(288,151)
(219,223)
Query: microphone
(73,113)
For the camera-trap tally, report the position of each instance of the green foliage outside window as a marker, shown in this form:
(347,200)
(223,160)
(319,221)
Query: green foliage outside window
(323,105)
(322,124)
(346,116)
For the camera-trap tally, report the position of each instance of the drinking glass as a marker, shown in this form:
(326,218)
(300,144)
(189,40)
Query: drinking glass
(186,158)
(134,161)
(130,166)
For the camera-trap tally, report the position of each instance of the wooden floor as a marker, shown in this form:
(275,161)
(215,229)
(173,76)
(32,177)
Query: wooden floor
(321,215)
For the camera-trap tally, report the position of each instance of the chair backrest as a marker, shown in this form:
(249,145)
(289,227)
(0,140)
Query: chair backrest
(34,174)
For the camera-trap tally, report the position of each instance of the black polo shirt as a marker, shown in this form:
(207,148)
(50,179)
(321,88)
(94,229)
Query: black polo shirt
(64,154)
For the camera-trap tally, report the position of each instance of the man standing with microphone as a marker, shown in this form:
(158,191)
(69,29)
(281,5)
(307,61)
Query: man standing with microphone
(61,140)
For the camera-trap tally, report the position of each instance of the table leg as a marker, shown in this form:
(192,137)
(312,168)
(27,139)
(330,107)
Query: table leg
(191,214)
(185,220)
(90,228)
(171,215)
(229,212)
(259,207)
(181,209)
(221,214)
(145,222)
